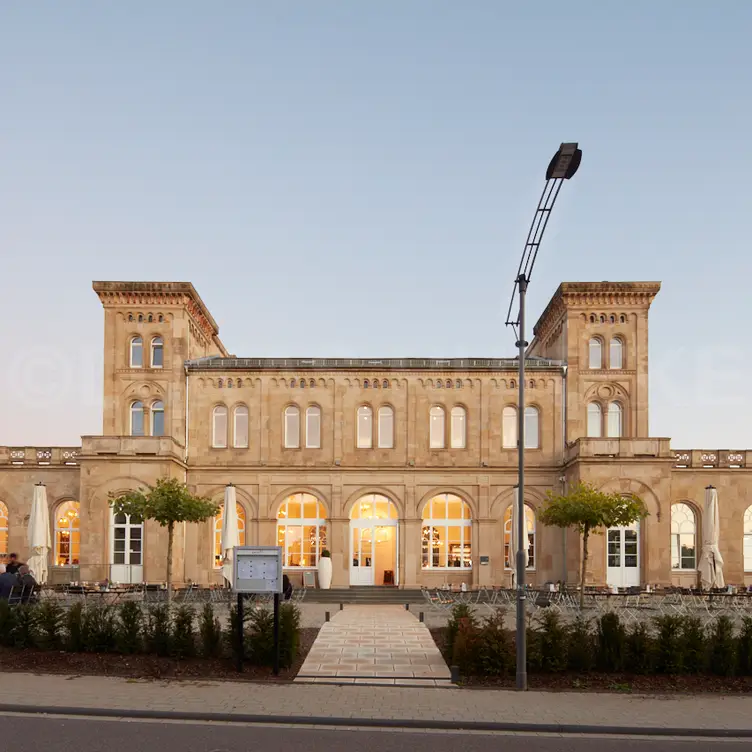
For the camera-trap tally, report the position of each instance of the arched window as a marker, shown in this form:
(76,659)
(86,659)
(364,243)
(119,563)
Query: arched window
(376,384)
(67,535)
(157,418)
(301,530)
(230,383)
(458,384)
(614,422)
(458,428)
(594,420)
(436,427)
(509,427)
(532,427)
(4,526)
(302,383)
(240,427)
(447,533)
(439,384)
(219,427)
(386,427)
(126,546)
(616,353)
(137,418)
(509,562)
(747,539)
(595,353)
(366,384)
(313,427)
(365,427)
(218,520)
(157,352)
(137,352)
(374,507)
(220,383)
(622,319)
(150,318)
(292,427)
(160,318)
(683,537)
(140,318)
(385,384)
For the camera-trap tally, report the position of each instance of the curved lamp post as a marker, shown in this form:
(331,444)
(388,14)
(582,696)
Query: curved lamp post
(562,167)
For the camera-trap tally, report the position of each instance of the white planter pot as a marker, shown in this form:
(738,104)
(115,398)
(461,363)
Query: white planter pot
(325,572)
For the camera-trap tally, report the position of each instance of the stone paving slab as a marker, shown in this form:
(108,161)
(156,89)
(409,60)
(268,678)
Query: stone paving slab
(382,644)
(46,692)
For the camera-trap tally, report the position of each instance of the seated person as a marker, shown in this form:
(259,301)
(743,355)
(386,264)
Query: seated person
(286,587)
(28,582)
(13,564)
(8,581)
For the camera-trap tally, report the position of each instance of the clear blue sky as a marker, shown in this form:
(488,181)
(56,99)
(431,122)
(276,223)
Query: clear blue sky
(357,178)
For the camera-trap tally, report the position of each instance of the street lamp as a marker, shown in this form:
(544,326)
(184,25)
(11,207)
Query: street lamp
(562,167)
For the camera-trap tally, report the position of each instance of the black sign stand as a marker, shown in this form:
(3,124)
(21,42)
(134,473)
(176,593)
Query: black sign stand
(276,634)
(239,635)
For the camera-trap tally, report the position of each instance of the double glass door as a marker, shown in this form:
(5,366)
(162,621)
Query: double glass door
(127,553)
(623,556)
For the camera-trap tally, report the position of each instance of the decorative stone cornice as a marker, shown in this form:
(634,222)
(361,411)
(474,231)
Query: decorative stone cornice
(594,295)
(179,294)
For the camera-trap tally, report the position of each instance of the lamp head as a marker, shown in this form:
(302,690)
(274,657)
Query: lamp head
(565,162)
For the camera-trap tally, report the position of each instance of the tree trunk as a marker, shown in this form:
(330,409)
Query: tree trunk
(170,531)
(585,535)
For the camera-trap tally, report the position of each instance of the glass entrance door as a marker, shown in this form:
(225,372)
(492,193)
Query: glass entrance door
(623,556)
(362,564)
(126,546)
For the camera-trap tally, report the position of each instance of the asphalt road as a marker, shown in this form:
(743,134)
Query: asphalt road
(34,733)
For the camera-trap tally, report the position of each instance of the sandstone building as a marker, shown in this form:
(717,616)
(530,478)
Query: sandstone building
(403,468)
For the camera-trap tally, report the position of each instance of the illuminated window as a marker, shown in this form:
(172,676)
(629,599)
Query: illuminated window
(4,526)
(446,533)
(301,530)
(683,535)
(218,532)
(530,523)
(67,535)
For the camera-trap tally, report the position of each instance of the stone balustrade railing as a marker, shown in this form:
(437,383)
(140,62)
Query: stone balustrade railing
(39,455)
(724,458)
(623,448)
(141,446)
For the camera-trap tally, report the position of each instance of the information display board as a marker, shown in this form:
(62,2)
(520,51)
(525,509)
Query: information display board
(257,569)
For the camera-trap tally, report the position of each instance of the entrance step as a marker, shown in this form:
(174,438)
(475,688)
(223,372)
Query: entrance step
(366,595)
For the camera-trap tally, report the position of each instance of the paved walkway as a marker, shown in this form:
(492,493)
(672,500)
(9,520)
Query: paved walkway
(297,701)
(382,645)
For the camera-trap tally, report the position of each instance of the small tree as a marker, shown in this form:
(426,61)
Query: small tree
(167,503)
(588,509)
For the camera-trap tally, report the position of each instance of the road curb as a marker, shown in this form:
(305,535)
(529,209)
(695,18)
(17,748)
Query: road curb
(402,723)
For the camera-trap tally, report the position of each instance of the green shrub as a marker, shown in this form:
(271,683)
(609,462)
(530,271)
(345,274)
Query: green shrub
(231,634)
(25,629)
(183,643)
(51,619)
(210,631)
(694,645)
(723,647)
(459,613)
(669,648)
(611,643)
(130,626)
(640,649)
(552,636)
(99,629)
(465,650)
(75,628)
(158,631)
(581,646)
(7,623)
(289,634)
(259,640)
(495,650)
(744,647)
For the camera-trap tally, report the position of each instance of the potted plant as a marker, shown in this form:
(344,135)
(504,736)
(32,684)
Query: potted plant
(325,570)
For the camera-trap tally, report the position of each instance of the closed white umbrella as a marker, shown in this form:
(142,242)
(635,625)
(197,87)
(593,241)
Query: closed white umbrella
(515,537)
(711,561)
(38,534)
(230,535)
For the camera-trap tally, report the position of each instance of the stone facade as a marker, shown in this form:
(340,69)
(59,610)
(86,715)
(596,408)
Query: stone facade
(192,379)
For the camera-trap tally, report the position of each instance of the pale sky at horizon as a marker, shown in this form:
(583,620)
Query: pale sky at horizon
(357,180)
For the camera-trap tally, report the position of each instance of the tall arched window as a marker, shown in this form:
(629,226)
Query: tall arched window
(67,535)
(386,427)
(446,536)
(157,352)
(683,537)
(4,526)
(218,520)
(458,428)
(240,427)
(301,530)
(616,353)
(614,427)
(137,352)
(137,418)
(532,427)
(509,427)
(157,418)
(594,420)
(292,427)
(747,539)
(509,562)
(595,353)
(219,427)
(436,427)
(313,427)
(365,427)
(126,547)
